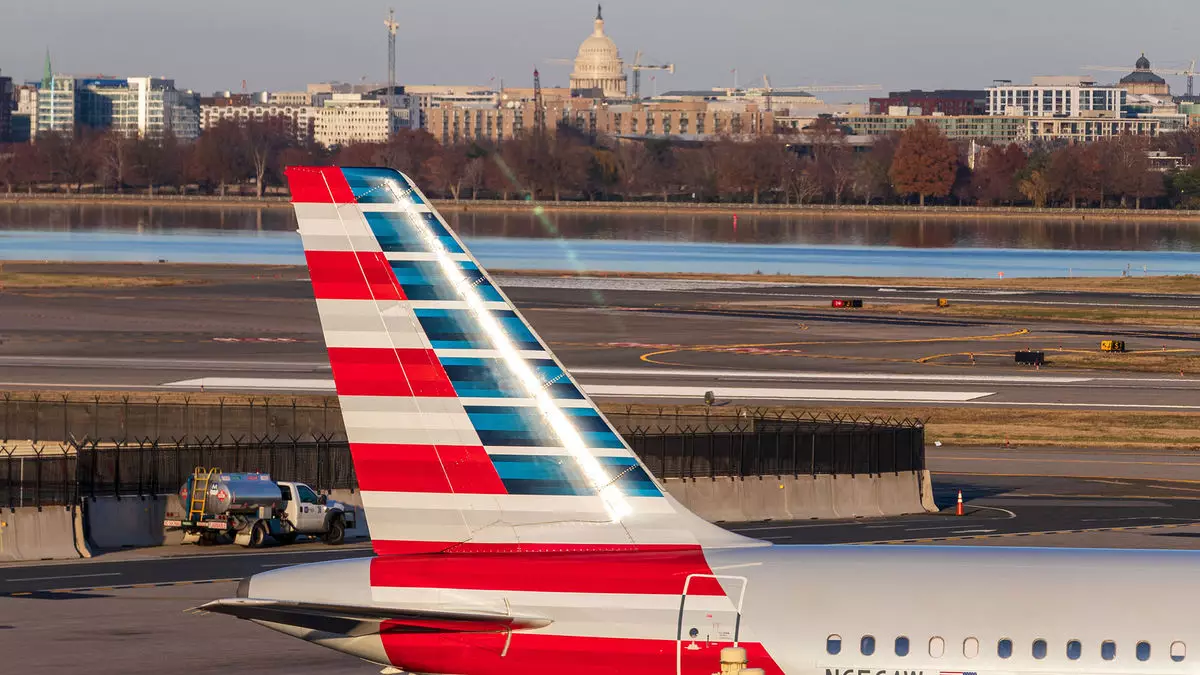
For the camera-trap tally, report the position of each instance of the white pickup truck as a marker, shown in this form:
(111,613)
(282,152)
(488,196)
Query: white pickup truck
(251,507)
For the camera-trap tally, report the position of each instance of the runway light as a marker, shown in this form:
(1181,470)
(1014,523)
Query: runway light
(614,500)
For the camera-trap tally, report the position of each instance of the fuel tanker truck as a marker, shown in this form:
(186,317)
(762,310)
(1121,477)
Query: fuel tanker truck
(252,507)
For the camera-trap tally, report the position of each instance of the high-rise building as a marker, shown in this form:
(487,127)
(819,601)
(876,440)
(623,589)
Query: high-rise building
(6,108)
(24,119)
(351,118)
(1056,97)
(185,116)
(295,119)
(142,107)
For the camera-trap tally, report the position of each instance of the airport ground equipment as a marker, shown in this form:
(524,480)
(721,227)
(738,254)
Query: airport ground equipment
(1112,346)
(1027,357)
(252,507)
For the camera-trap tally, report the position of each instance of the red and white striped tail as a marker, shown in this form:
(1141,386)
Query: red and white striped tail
(467,433)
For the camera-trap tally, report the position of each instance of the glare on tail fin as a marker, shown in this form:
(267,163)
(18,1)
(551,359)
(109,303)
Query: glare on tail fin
(466,431)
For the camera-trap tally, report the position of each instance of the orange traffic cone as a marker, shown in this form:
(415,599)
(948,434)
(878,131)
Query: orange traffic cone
(958,510)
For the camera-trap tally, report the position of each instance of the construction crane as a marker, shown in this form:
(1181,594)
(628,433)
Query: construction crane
(1189,73)
(768,89)
(637,69)
(391,25)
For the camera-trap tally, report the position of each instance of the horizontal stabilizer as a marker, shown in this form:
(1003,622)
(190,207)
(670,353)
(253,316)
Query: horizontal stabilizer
(357,620)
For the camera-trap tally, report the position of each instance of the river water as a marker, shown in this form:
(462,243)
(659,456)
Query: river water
(805,244)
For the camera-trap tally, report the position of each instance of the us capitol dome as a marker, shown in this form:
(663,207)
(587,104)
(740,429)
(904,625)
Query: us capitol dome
(599,70)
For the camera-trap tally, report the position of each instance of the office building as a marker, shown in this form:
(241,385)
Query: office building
(7,104)
(351,118)
(1056,97)
(942,101)
(297,120)
(142,107)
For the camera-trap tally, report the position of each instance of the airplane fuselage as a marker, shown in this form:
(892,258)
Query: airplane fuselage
(838,610)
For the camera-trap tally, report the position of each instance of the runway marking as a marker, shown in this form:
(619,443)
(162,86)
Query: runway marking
(973,531)
(649,357)
(68,576)
(1072,461)
(651,391)
(819,375)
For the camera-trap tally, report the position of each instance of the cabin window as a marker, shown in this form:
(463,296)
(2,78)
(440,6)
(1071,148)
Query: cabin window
(937,647)
(833,644)
(902,646)
(867,645)
(1004,648)
(1108,650)
(971,647)
(1039,649)
(1178,651)
(1143,651)
(1074,650)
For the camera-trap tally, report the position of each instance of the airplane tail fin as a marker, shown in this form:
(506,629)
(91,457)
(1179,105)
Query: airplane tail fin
(466,432)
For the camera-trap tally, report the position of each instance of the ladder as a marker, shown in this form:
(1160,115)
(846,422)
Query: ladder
(198,495)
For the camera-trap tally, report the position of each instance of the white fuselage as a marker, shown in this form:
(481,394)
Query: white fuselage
(952,607)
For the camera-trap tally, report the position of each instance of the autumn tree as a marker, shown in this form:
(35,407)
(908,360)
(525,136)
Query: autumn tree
(263,141)
(1036,188)
(219,158)
(798,179)
(697,169)
(872,169)
(996,176)
(925,163)
(1072,174)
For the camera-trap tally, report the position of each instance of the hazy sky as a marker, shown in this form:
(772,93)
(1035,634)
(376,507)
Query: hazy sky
(209,45)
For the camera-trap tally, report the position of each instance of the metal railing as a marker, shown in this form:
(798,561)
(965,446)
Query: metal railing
(747,444)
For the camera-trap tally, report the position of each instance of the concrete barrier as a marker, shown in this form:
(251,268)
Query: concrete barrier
(927,492)
(28,533)
(799,497)
(112,523)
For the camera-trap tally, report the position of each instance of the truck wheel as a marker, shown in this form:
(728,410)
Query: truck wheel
(258,534)
(285,539)
(336,535)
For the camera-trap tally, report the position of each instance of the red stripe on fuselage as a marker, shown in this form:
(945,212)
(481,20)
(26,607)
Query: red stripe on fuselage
(318,185)
(644,571)
(347,275)
(480,654)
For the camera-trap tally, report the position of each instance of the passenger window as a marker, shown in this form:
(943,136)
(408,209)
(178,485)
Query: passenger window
(971,647)
(937,647)
(1178,651)
(1108,650)
(867,645)
(902,646)
(1074,650)
(833,644)
(1039,649)
(1004,648)
(1143,651)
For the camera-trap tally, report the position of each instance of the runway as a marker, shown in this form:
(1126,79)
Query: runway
(255,330)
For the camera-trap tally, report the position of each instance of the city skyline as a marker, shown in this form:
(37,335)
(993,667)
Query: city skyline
(278,46)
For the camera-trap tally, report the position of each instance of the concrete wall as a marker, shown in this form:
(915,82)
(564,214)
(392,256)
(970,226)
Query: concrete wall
(800,498)
(48,534)
(112,523)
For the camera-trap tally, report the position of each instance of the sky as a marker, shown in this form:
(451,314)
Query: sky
(214,45)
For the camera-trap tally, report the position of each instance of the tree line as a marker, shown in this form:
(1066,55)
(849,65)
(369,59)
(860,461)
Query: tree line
(918,166)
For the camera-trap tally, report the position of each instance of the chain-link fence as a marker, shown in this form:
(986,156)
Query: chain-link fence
(749,443)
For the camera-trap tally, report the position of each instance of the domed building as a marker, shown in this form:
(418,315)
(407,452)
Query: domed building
(1144,81)
(599,70)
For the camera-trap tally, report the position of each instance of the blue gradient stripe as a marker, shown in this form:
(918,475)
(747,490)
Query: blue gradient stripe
(512,426)
(396,234)
(555,475)
(425,280)
(367,184)
(458,329)
(492,378)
